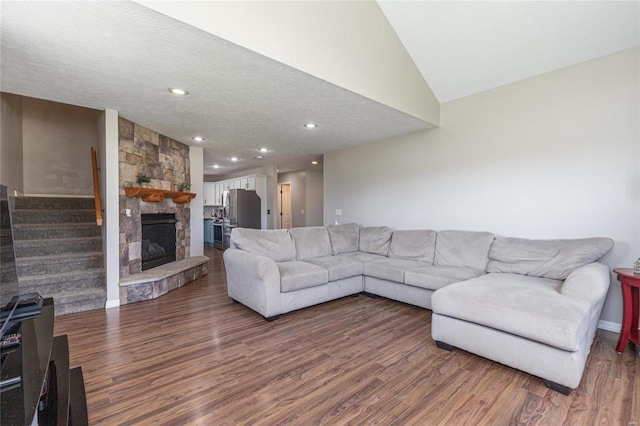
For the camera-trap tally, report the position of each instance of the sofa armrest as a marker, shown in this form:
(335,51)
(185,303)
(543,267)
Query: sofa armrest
(254,281)
(589,282)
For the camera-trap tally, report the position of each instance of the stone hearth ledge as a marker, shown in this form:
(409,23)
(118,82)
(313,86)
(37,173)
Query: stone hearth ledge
(153,283)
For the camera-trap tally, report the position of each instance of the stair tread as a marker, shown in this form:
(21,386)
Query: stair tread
(57,240)
(56,225)
(92,293)
(93,272)
(22,209)
(99,291)
(62,257)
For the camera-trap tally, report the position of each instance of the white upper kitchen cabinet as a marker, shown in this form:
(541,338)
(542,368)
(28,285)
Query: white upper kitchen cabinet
(251,184)
(209,194)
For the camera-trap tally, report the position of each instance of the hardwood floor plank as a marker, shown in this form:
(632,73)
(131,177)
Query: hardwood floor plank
(193,356)
(616,402)
(635,406)
(588,396)
(555,405)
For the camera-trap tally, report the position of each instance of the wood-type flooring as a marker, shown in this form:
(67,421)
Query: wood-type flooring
(193,356)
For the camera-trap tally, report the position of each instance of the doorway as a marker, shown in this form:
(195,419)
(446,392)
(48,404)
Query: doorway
(284,205)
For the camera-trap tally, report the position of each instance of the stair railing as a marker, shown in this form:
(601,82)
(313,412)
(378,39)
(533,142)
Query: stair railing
(96,186)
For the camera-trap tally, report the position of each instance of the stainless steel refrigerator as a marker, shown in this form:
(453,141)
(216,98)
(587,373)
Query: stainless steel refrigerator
(242,208)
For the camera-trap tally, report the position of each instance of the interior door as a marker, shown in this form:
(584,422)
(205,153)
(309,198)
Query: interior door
(284,202)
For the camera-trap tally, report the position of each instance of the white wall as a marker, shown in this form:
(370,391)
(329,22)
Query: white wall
(196,158)
(555,156)
(355,34)
(109,174)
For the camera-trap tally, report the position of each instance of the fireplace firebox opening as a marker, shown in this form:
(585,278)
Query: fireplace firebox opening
(158,239)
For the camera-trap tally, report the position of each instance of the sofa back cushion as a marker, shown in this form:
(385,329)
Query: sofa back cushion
(344,238)
(554,259)
(274,244)
(311,241)
(464,249)
(375,239)
(414,245)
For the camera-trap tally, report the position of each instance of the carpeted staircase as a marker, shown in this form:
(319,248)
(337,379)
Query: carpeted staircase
(59,252)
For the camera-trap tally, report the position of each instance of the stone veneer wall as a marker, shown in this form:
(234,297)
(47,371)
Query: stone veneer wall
(166,162)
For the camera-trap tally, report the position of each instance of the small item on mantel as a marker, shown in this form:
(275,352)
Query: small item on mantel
(636,267)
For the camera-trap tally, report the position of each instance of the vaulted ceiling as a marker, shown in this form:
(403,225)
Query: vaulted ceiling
(125,56)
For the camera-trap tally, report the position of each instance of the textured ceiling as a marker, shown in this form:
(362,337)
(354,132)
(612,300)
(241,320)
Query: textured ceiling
(123,56)
(466,47)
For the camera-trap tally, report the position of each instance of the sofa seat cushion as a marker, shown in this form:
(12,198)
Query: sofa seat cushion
(339,267)
(296,275)
(435,277)
(528,307)
(391,269)
(362,256)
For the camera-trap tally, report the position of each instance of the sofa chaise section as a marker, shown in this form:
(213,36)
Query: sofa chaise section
(536,310)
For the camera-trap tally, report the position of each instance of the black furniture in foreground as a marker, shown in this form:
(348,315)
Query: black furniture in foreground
(48,392)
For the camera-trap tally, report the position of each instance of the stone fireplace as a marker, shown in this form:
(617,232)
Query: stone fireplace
(166,162)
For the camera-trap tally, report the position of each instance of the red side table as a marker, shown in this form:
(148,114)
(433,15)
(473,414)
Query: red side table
(630,285)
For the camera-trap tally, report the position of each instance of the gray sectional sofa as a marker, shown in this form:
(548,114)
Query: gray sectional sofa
(530,304)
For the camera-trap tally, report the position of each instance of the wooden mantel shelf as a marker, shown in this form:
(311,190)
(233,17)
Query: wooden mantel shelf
(151,195)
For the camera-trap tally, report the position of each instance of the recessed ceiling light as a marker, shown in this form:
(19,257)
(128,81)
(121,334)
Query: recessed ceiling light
(215,166)
(263,149)
(258,157)
(198,138)
(234,158)
(178,91)
(314,162)
(310,126)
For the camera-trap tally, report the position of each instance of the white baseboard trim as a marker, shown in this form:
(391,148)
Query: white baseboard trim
(610,326)
(112,303)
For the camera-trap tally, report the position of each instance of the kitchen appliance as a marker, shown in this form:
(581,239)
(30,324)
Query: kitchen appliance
(242,208)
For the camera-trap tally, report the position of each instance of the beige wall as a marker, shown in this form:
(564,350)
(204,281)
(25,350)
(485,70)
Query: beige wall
(315,197)
(554,156)
(57,141)
(315,36)
(11,141)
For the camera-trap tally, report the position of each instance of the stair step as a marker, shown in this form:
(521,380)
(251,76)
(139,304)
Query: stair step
(54,216)
(59,251)
(41,265)
(66,302)
(59,230)
(50,247)
(54,203)
(62,282)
